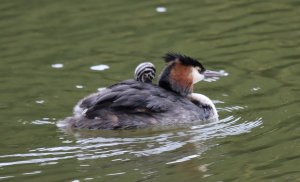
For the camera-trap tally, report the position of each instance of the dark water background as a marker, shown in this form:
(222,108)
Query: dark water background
(47,49)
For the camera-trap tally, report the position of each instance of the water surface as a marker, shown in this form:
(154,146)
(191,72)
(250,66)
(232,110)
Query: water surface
(49,50)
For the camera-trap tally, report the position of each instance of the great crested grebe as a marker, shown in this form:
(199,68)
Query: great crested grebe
(139,103)
(145,72)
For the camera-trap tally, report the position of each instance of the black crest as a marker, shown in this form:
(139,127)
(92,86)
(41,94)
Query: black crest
(185,60)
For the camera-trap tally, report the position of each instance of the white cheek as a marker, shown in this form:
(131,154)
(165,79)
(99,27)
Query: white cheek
(197,77)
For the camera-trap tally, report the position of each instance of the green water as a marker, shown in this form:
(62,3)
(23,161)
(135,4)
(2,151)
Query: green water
(256,42)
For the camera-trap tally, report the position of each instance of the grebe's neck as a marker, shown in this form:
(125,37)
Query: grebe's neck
(178,78)
(204,102)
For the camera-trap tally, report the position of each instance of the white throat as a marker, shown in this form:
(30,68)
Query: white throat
(197,77)
(205,101)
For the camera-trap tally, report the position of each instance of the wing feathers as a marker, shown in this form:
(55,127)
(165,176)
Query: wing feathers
(131,96)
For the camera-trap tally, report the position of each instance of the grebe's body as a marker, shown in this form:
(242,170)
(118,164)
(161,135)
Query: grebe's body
(139,103)
(133,104)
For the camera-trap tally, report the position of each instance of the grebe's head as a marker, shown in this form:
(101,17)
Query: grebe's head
(181,73)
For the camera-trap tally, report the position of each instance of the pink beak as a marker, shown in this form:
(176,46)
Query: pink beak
(209,73)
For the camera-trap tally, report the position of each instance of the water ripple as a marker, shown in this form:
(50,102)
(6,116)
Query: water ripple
(107,147)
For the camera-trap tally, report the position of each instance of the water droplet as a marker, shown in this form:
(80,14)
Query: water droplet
(161,9)
(100,67)
(58,65)
(79,86)
(33,172)
(40,101)
(255,88)
(87,179)
(115,174)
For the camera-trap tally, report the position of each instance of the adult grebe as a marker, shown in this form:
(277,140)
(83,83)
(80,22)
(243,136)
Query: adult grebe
(138,104)
(145,72)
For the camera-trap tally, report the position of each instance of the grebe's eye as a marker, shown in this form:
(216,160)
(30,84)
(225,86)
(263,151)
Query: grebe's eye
(199,69)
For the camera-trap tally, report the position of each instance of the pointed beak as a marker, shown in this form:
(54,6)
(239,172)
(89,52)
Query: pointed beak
(209,73)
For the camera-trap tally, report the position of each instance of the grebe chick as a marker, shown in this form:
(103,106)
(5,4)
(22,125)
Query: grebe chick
(135,104)
(145,72)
